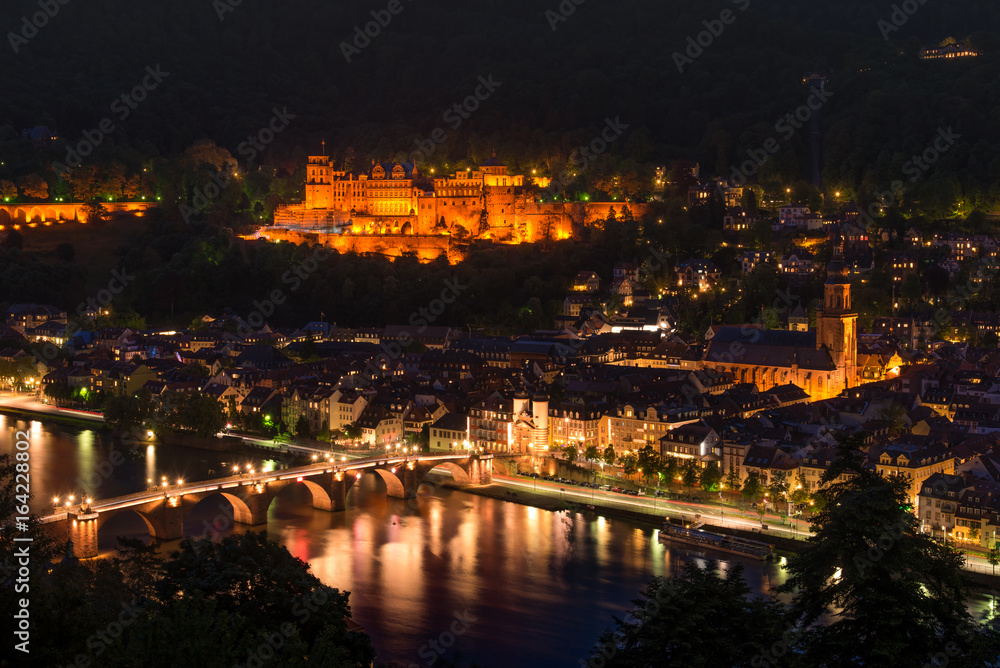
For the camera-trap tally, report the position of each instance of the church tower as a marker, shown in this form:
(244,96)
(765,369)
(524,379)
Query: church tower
(837,325)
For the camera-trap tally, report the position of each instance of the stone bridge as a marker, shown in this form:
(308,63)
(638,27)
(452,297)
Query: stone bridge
(164,510)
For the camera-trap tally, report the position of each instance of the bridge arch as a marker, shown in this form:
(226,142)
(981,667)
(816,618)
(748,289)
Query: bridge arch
(460,475)
(393,485)
(241,511)
(153,525)
(4,217)
(320,496)
(504,467)
(20,216)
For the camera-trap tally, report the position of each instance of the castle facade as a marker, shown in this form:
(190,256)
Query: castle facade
(393,199)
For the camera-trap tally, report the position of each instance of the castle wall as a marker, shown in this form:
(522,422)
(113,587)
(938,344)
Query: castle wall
(598,211)
(467,216)
(427,247)
(501,205)
(28,214)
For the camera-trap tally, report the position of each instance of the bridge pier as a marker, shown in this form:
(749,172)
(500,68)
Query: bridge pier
(82,530)
(480,471)
(337,491)
(410,480)
(165,519)
(255,513)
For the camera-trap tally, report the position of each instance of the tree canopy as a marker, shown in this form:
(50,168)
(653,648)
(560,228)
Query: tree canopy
(699,619)
(885,593)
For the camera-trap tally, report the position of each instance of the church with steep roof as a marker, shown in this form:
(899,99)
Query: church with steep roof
(822,361)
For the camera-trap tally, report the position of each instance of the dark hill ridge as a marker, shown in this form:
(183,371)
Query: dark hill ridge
(606,59)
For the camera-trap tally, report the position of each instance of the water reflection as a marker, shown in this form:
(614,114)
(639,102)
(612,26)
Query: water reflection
(542,585)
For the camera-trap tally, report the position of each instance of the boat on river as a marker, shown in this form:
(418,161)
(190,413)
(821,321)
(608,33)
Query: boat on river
(695,536)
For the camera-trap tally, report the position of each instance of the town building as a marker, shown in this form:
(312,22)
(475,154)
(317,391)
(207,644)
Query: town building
(701,275)
(450,432)
(950,51)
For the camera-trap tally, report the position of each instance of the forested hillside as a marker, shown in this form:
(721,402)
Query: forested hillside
(226,75)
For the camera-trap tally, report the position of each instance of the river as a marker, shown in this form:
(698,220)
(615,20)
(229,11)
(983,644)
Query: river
(491,582)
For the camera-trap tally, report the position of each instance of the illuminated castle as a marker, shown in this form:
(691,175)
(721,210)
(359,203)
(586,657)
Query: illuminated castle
(396,199)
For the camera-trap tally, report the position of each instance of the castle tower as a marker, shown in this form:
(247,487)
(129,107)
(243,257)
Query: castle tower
(500,191)
(837,326)
(319,182)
